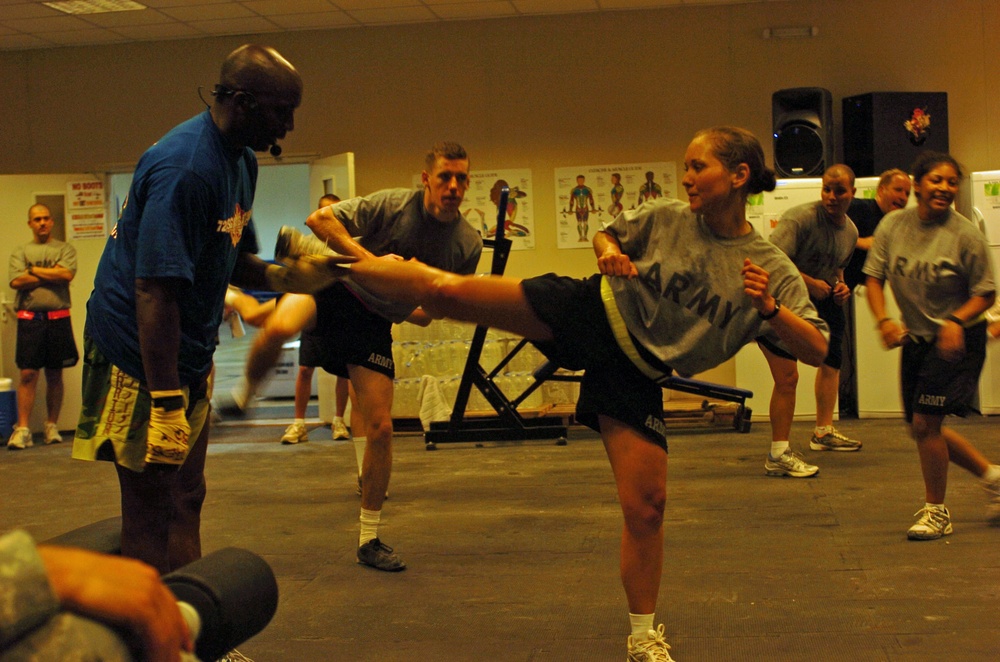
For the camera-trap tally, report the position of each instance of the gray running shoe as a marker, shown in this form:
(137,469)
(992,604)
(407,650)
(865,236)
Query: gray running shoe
(789,464)
(993,507)
(834,441)
(295,433)
(52,435)
(934,523)
(231,405)
(381,557)
(340,430)
(20,439)
(292,243)
(654,649)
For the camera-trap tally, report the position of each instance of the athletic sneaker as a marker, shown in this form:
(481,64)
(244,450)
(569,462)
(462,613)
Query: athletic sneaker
(20,439)
(292,243)
(381,557)
(232,404)
(234,656)
(789,464)
(993,507)
(340,430)
(935,522)
(834,441)
(654,649)
(52,435)
(295,433)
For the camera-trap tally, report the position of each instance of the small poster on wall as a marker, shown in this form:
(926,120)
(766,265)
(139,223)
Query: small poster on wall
(86,216)
(481,200)
(589,196)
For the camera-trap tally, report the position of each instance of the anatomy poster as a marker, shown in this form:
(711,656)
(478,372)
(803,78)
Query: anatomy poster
(480,205)
(589,196)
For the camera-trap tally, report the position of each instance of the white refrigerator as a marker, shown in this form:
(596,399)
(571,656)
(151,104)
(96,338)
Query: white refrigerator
(981,203)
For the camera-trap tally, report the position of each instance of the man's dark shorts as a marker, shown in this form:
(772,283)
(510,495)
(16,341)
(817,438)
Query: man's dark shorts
(347,333)
(934,387)
(611,384)
(833,314)
(45,343)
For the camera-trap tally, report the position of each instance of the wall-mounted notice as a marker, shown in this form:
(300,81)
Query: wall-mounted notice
(86,215)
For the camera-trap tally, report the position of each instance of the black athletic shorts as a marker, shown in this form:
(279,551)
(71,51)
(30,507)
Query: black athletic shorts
(611,383)
(833,314)
(347,333)
(935,387)
(45,343)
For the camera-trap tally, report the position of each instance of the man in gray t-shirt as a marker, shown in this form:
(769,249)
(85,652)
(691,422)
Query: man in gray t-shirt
(819,238)
(395,224)
(40,272)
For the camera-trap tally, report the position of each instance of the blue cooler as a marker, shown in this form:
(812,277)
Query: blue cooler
(8,407)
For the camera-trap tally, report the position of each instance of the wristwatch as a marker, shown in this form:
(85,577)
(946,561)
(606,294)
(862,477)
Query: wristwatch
(773,313)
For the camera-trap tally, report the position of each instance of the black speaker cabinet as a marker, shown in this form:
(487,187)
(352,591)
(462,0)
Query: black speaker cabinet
(803,131)
(885,130)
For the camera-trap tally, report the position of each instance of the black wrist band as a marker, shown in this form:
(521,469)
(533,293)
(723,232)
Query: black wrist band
(169,403)
(773,313)
(956,320)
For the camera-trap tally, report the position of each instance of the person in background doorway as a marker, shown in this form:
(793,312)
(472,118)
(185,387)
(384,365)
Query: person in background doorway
(40,272)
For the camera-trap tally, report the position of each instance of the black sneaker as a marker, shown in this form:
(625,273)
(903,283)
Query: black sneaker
(381,557)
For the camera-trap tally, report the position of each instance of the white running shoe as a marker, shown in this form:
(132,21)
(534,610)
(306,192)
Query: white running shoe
(295,433)
(340,430)
(789,464)
(20,439)
(935,522)
(52,435)
(993,507)
(653,649)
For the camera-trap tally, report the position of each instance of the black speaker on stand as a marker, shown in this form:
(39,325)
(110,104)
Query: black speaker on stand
(802,119)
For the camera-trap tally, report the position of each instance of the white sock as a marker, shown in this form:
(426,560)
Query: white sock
(641,625)
(359,451)
(369,525)
(338,419)
(778,448)
(822,430)
(300,421)
(992,474)
(936,506)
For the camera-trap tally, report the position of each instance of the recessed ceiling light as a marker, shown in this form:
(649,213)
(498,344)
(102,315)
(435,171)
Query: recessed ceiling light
(94,6)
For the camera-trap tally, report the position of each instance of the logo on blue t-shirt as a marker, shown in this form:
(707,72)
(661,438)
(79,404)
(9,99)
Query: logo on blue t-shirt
(234,225)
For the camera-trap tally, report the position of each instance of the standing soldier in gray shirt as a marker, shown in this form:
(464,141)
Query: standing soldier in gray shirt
(819,238)
(41,271)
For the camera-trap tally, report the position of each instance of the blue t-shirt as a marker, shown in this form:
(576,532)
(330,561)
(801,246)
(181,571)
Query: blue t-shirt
(186,216)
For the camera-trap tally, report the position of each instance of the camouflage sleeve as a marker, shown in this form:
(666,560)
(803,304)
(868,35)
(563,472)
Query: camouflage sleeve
(26,598)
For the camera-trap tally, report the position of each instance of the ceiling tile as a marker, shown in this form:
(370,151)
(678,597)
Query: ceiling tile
(208,12)
(460,10)
(159,32)
(138,17)
(280,7)
(27,10)
(336,19)
(81,37)
(351,5)
(392,15)
(60,23)
(248,25)
(555,6)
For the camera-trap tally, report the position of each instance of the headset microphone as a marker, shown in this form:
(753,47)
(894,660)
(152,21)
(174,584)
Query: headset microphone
(275,150)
